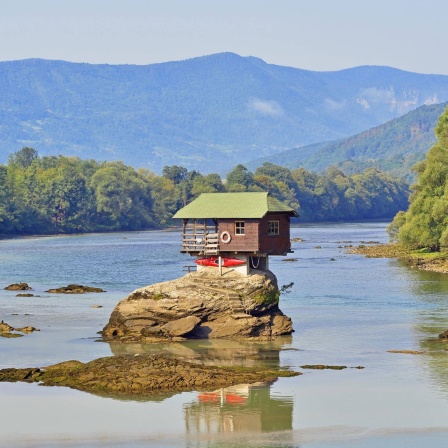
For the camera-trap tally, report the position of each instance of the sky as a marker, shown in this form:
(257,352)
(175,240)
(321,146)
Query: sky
(321,35)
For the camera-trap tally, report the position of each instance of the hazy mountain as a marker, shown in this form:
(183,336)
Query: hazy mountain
(207,113)
(393,147)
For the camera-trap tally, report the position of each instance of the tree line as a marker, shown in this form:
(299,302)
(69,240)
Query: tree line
(58,194)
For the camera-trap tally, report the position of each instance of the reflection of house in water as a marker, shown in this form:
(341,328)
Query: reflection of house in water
(246,408)
(242,408)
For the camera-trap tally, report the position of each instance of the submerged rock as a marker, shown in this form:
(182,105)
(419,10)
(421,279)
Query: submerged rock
(201,305)
(143,375)
(407,352)
(18,287)
(75,289)
(6,330)
(324,367)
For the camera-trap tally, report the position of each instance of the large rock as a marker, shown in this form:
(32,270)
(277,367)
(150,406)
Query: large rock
(201,305)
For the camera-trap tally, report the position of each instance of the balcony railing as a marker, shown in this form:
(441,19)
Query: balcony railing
(202,243)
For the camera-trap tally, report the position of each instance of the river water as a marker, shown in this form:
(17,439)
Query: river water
(347,310)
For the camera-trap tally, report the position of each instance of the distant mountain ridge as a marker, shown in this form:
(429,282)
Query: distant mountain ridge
(207,113)
(393,147)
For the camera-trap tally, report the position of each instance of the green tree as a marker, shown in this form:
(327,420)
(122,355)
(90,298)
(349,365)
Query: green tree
(211,183)
(175,173)
(123,197)
(239,179)
(183,179)
(425,222)
(165,198)
(7,218)
(23,158)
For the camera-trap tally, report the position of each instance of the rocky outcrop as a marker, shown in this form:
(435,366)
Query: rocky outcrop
(6,330)
(201,305)
(144,375)
(75,289)
(18,287)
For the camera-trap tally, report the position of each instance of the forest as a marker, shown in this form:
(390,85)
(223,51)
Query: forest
(59,194)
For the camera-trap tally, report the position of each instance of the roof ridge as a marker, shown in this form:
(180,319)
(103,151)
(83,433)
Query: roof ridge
(250,204)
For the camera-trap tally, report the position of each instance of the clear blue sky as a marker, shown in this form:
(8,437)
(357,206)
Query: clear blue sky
(310,34)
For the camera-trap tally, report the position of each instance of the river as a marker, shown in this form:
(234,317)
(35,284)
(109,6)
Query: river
(347,310)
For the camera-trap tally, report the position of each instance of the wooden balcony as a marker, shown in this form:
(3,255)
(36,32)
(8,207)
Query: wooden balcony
(200,243)
(200,238)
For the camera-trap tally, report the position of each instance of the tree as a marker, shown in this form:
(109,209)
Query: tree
(239,179)
(165,197)
(211,183)
(277,172)
(6,216)
(425,222)
(175,173)
(23,158)
(123,197)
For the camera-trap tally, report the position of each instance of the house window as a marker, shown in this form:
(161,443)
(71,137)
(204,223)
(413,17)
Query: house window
(239,227)
(273,228)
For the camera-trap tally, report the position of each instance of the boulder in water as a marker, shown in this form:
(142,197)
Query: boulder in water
(201,305)
(75,289)
(18,287)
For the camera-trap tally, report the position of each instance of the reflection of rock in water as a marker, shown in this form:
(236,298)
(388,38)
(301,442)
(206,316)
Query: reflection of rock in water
(242,408)
(213,352)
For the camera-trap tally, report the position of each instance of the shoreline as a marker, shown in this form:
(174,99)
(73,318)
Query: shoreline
(53,235)
(173,228)
(421,259)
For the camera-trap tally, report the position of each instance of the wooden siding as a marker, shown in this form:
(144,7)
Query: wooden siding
(239,243)
(275,244)
(256,238)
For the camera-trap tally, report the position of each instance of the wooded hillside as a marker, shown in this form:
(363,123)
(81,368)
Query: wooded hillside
(394,147)
(217,110)
(58,194)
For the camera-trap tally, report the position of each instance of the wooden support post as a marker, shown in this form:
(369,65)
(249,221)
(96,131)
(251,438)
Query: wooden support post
(220,265)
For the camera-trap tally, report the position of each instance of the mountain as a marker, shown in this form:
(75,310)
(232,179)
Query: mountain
(393,147)
(207,113)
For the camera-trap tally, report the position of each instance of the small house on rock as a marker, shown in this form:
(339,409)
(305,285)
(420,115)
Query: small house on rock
(237,230)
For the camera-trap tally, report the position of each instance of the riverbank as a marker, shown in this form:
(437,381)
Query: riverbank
(421,259)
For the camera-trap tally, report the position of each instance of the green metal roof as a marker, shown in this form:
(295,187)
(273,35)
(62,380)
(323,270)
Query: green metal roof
(232,205)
